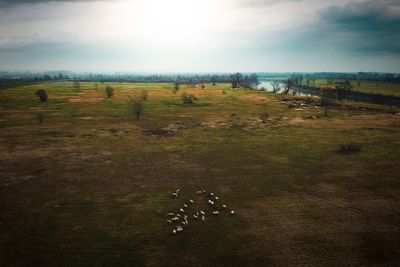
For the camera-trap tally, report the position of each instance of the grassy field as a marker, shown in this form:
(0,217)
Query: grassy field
(91,185)
(379,87)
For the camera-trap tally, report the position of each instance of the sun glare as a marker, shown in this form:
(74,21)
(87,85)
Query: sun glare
(168,24)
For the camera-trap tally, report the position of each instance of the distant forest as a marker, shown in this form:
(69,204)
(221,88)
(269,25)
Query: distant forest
(187,78)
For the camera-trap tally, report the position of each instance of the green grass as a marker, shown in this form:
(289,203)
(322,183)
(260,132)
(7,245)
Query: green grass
(91,185)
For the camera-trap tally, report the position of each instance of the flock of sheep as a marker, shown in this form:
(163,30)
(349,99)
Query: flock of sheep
(180,219)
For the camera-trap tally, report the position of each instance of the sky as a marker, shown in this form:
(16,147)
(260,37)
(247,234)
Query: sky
(200,35)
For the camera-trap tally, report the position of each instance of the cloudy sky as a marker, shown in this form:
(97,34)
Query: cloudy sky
(200,35)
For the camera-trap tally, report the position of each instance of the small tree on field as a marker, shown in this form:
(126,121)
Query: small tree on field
(328,96)
(96,86)
(145,94)
(42,94)
(77,85)
(109,91)
(276,86)
(287,85)
(188,98)
(176,87)
(136,104)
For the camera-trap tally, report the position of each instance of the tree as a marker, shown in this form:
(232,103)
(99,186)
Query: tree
(136,104)
(343,89)
(42,94)
(236,80)
(77,85)
(176,87)
(287,85)
(214,80)
(276,86)
(109,91)
(328,96)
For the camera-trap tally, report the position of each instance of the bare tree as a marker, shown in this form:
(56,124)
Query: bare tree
(276,86)
(328,96)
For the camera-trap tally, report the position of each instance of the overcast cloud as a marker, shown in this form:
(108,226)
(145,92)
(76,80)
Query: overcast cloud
(200,35)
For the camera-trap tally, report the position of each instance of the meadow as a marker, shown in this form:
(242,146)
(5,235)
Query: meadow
(91,184)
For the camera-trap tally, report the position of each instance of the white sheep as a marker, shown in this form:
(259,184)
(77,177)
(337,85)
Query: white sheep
(185,205)
(181,210)
(202,212)
(224,206)
(191,200)
(232,212)
(215,212)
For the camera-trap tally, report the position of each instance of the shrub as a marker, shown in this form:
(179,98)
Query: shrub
(176,87)
(188,98)
(42,94)
(109,91)
(145,95)
(136,104)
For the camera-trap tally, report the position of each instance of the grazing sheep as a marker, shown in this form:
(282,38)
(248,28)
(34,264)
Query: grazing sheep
(216,198)
(171,214)
(174,232)
(202,212)
(199,192)
(178,215)
(211,202)
(203,218)
(204,191)
(195,216)
(224,206)
(212,194)
(175,219)
(215,212)
(174,194)
(177,190)
(185,205)
(191,201)
(169,221)
(181,210)
(232,212)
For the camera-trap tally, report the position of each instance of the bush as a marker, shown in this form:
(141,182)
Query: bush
(42,94)
(136,104)
(145,95)
(109,91)
(188,98)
